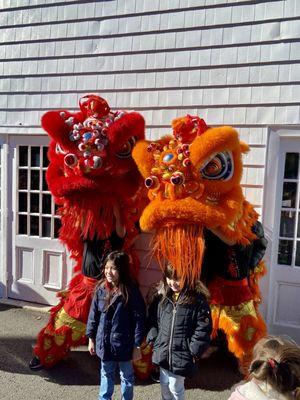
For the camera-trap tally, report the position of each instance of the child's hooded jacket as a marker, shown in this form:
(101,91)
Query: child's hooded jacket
(118,327)
(180,332)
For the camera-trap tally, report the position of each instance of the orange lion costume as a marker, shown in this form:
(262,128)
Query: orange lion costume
(91,174)
(193,178)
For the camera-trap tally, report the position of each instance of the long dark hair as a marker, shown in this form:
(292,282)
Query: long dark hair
(277,361)
(122,263)
(188,295)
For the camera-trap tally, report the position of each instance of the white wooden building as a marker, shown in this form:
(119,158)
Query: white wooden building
(234,62)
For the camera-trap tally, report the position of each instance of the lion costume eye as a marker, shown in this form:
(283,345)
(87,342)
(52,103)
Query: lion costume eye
(126,149)
(218,167)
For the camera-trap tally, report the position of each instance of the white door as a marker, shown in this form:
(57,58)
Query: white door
(284,284)
(2,243)
(39,267)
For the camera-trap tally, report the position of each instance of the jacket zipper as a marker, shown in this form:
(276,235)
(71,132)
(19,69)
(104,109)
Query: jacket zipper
(172,331)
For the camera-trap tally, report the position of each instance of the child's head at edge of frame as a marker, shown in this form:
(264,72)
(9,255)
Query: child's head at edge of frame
(276,361)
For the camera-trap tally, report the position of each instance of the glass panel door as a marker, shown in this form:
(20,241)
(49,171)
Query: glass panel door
(283,198)
(40,266)
(289,231)
(35,205)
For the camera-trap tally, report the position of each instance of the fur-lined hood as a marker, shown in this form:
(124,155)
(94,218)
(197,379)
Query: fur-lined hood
(161,289)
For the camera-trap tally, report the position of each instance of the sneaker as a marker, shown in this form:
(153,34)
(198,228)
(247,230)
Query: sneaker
(35,364)
(155,376)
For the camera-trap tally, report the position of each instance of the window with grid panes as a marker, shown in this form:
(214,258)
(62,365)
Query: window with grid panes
(35,205)
(289,231)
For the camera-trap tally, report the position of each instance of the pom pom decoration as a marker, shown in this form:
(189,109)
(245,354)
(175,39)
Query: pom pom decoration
(97,162)
(70,160)
(151,182)
(177,178)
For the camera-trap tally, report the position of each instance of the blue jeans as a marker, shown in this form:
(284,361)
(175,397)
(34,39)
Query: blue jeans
(172,386)
(107,376)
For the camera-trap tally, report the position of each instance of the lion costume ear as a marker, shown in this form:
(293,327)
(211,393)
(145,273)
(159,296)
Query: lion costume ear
(244,147)
(55,123)
(143,158)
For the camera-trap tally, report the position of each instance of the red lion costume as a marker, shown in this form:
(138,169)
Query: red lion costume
(91,174)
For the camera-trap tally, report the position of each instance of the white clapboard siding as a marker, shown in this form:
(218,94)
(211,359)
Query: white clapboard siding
(74,11)
(163,99)
(231,62)
(149,271)
(265,77)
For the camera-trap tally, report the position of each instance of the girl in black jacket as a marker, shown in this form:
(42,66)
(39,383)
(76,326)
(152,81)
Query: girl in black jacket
(180,328)
(116,325)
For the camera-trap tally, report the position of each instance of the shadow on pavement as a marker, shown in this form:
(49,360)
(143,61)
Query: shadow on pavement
(18,333)
(5,307)
(17,337)
(217,373)
(78,368)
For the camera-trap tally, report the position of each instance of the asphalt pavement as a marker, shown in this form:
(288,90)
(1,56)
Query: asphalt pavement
(77,376)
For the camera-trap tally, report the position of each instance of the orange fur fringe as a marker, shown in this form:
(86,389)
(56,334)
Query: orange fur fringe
(241,230)
(183,247)
(239,343)
(259,271)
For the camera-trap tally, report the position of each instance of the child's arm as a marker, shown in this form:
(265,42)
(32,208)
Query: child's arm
(120,227)
(153,320)
(91,347)
(259,245)
(139,316)
(92,323)
(201,337)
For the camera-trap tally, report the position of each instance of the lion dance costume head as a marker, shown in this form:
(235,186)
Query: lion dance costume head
(91,168)
(193,178)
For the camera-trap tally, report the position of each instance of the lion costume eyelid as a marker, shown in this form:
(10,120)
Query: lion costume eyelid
(59,149)
(212,141)
(207,161)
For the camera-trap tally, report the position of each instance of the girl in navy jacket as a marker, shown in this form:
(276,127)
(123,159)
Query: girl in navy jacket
(116,325)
